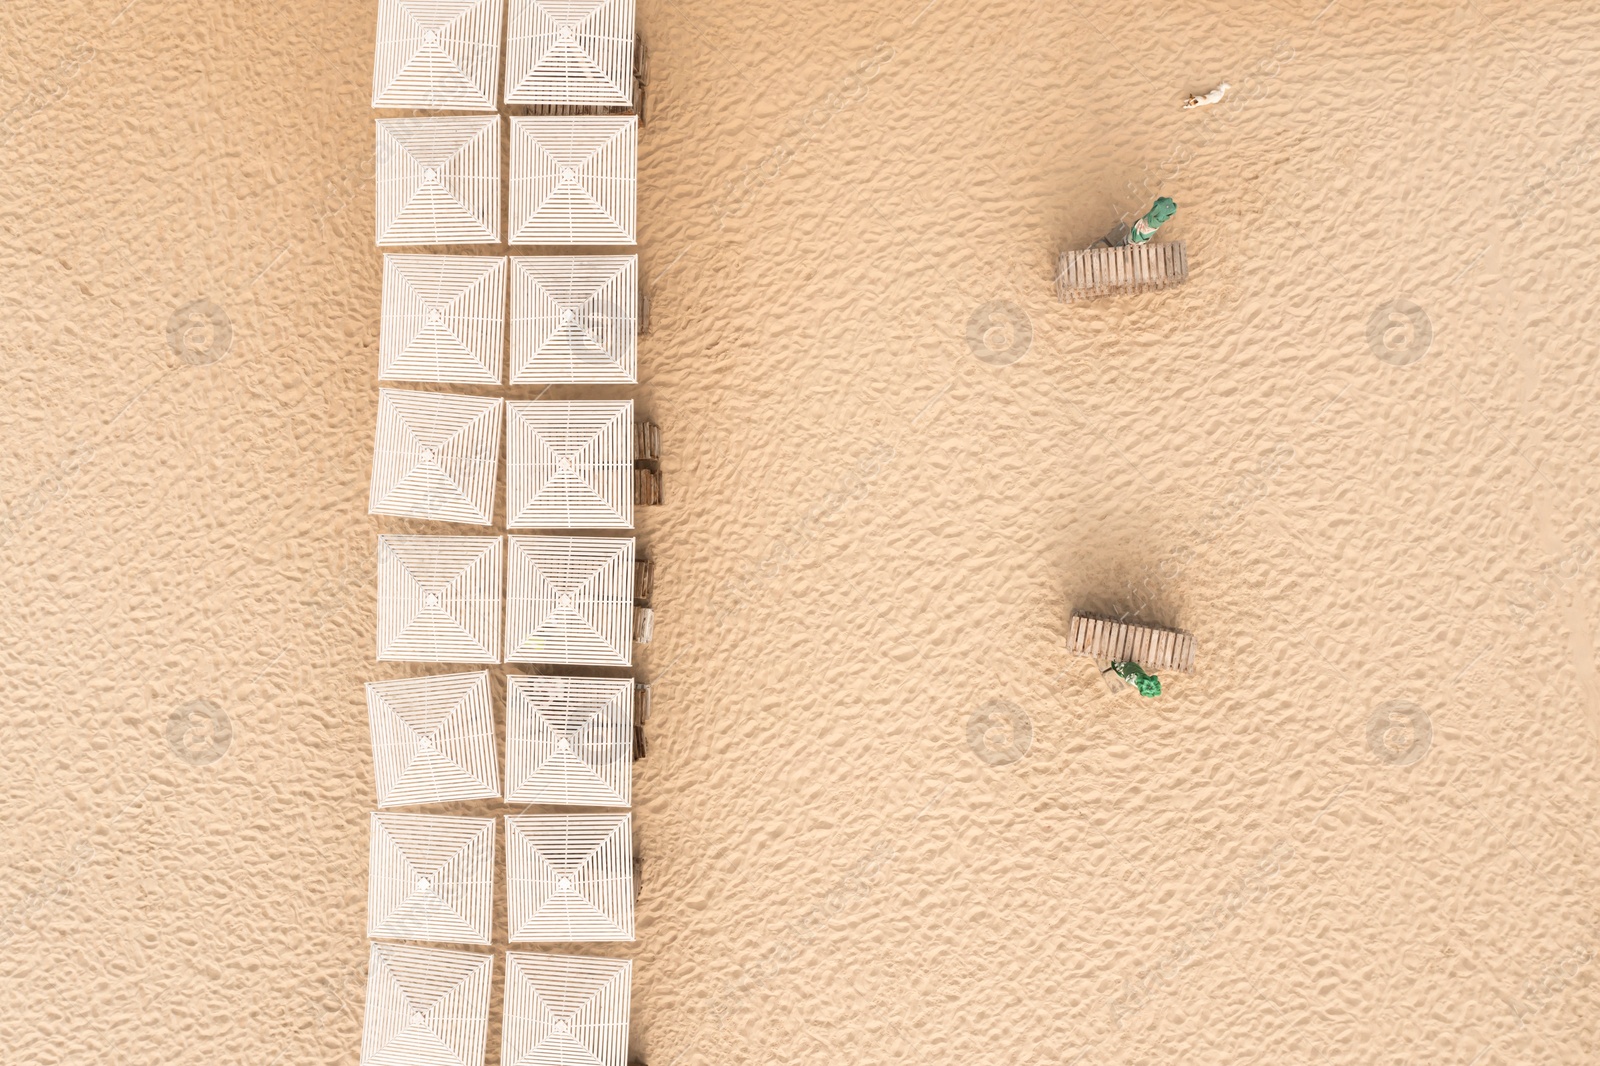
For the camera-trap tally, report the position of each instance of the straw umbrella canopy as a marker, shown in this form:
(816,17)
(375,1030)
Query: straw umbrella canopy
(425,1007)
(431,878)
(444,318)
(565,1010)
(570,52)
(433,739)
(574,318)
(439,180)
(437,54)
(574,179)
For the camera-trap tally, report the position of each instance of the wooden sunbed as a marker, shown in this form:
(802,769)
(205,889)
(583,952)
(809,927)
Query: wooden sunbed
(644,618)
(646,487)
(1091,272)
(646,441)
(641,715)
(1154,649)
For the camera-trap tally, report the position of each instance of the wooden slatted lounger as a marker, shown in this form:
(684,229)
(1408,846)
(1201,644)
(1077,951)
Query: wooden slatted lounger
(1153,648)
(1091,272)
(646,441)
(641,715)
(644,619)
(646,487)
(646,450)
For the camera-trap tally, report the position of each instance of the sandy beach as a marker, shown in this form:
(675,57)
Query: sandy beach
(885,817)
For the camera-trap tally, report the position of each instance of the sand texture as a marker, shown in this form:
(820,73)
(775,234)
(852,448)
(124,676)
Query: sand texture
(884,818)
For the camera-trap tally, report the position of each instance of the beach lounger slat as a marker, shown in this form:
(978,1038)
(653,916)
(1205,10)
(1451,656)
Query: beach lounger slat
(1127,268)
(1154,648)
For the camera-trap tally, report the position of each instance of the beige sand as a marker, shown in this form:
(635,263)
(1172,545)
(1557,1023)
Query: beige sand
(872,534)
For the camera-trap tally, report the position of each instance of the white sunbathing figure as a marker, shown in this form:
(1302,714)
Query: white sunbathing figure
(1212,97)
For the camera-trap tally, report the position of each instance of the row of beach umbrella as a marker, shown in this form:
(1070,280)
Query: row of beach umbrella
(540,597)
